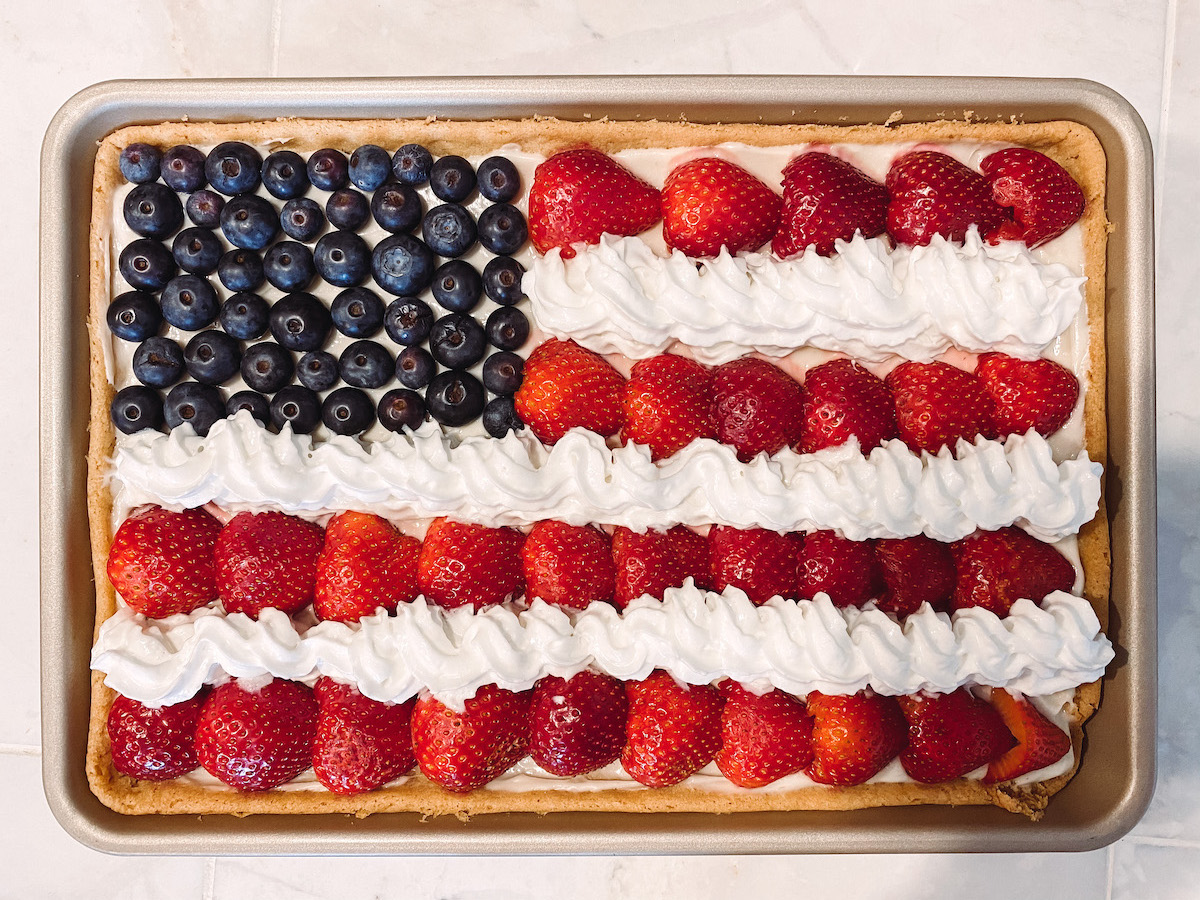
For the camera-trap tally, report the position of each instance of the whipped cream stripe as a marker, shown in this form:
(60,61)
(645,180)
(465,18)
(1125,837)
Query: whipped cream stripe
(698,636)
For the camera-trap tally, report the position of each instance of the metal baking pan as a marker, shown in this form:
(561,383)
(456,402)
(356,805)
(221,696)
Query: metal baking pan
(1116,780)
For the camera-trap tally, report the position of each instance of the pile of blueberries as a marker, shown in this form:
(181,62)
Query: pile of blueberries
(278,348)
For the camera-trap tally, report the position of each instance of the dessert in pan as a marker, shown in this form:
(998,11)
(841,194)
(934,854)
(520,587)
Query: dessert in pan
(467,467)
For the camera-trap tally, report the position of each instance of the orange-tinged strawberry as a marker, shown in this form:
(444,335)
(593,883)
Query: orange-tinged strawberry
(365,564)
(569,565)
(267,560)
(844,400)
(757,407)
(1028,394)
(1039,742)
(361,744)
(763,737)
(845,570)
(854,736)
(825,199)
(937,404)
(668,404)
(153,743)
(673,731)
(710,203)
(995,569)
(1044,198)
(760,562)
(566,386)
(649,563)
(161,562)
(950,735)
(915,570)
(933,193)
(577,724)
(469,565)
(462,751)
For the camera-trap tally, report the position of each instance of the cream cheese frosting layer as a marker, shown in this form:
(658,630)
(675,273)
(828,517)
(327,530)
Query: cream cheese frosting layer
(698,636)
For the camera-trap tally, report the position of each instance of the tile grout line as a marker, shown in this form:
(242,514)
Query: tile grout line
(20,750)
(1108,878)
(209,883)
(1164,111)
(276,28)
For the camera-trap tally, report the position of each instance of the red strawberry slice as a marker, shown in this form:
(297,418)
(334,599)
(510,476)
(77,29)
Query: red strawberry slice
(995,569)
(254,740)
(668,404)
(1044,198)
(758,408)
(153,743)
(577,725)
(710,203)
(570,565)
(915,570)
(161,562)
(267,560)
(361,744)
(937,403)
(844,400)
(760,562)
(933,193)
(365,564)
(462,751)
(474,565)
(825,199)
(672,731)
(950,735)
(845,570)
(565,387)
(763,738)
(1039,742)
(578,195)
(854,736)
(1035,393)
(649,563)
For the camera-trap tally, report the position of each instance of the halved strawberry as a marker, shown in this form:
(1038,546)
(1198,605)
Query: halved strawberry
(570,565)
(760,562)
(995,569)
(915,570)
(710,203)
(933,193)
(1028,393)
(825,199)
(649,563)
(565,387)
(472,565)
(365,564)
(937,403)
(153,743)
(361,744)
(668,404)
(672,731)
(854,736)
(1039,742)
(950,735)
(758,408)
(763,737)
(267,560)
(161,562)
(577,724)
(1044,198)
(845,570)
(844,400)
(462,751)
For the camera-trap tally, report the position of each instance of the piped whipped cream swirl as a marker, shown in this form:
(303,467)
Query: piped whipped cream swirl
(868,301)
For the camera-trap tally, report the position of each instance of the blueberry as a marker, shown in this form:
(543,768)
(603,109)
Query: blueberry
(212,357)
(318,370)
(135,408)
(245,316)
(449,230)
(396,207)
(457,341)
(454,398)
(502,229)
(408,320)
(347,209)
(190,302)
(366,364)
(502,372)
(498,179)
(300,322)
(297,406)
(158,362)
(507,328)
(233,168)
(147,265)
(204,208)
(402,265)
(500,417)
(241,270)
(267,367)
(140,163)
(197,250)
(357,312)
(253,402)
(415,367)
(249,222)
(370,167)
(348,411)
(200,405)
(285,175)
(342,258)
(502,280)
(457,286)
(400,409)
(153,210)
(302,219)
(183,169)
(327,170)
(134,316)
(289,266)
(411,164)
(452,179)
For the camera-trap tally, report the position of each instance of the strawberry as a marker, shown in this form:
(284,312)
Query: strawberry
(825,199)
(267,560)
(995,569)
(845,570)
(709,204)
(361,744)
(578,195)
(758,408)
(570,565)
(1045,200)
(854,736)
(915,570)
(161,562)
(844,400)
(763,738)
(933,193)
(153,743)
(1035,393)
(691,549)
(577,724)
(937,403)
(365,564)
(1038,741)
(650,562)
(257,739)
(950,735)
(565,387)
(469,564)
(668,404)
(672,731)
(760,562)
(462,751)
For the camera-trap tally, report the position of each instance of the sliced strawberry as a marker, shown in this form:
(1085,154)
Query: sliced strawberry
(995,569)
(361,744)
(1044,198)
(365,564)
(758,408)
(161,562)
(937,403)
(760,562)
(1039,742)
(933,193)
(267,560)
(577,725)
(649,563)
(565,387)
(578,195)
(474,565)
(672,731)
(844,400)
(570,565)
(462,751)
(950,735)
(668,404)
(915,570)
(153,743)
(854,736)
(710,203)
(825,199)
(1035,393)
(763,738)
(845,570)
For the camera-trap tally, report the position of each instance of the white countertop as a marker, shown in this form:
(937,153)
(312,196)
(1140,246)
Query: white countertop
(1148,51)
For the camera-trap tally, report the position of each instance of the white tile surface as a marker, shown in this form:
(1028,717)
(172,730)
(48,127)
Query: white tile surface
(1155,872)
